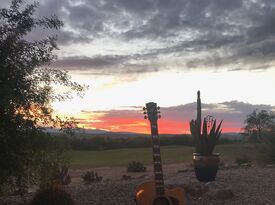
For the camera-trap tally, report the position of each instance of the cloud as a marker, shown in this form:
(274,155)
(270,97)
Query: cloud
(180,34)
(174,119)
(83,63)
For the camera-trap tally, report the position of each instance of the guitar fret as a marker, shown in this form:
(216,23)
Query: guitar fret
(156,150)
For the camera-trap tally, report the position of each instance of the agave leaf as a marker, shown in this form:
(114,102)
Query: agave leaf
(212,131)
(192,127)
(211,139)
(218,129)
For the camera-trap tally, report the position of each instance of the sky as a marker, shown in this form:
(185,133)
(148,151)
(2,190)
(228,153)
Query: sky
(134,52)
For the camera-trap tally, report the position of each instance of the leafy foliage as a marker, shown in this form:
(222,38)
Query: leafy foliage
(26,90)
(260,128)
(258,123)
(136,167)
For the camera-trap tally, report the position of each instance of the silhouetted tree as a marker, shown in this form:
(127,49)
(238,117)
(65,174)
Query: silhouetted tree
(259,123)
(26,94)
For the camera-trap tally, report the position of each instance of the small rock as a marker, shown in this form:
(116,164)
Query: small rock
(270,166)
(184,170)
(246,165)
(145,176)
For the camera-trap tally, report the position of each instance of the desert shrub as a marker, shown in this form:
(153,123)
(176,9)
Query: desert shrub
(126,177)
(267,149)
(53,197)
(136,167)
(91,177)
(243,159)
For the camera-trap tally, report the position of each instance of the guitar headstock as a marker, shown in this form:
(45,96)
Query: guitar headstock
(151,112)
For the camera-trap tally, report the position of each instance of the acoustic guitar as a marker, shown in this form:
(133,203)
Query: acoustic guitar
(153,192)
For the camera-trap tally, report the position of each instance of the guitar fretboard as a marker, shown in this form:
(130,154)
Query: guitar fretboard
(158,173)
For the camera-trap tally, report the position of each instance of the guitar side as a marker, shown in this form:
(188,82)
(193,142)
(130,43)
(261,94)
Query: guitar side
(146,193)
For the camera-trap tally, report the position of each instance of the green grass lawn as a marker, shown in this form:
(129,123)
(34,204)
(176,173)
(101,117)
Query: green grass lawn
(170,154)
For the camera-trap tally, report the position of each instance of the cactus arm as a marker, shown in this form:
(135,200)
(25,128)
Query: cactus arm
(192,127)
(193,130)
(199,111)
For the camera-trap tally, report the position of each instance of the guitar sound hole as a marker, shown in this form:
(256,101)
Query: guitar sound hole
(162,201)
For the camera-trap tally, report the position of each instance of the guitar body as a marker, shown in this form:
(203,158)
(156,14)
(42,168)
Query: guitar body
(146,195)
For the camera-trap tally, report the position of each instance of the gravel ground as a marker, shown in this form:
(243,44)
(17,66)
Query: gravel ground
(250,186)
(241,185)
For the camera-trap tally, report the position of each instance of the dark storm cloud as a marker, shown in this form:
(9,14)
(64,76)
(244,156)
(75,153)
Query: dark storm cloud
(232,34)
(84,63)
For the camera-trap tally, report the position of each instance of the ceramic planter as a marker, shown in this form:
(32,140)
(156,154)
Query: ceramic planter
(206,167)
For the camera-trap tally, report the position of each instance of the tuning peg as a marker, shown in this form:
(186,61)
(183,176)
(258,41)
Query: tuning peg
(158,107)
(145,117)
(158,111)
(144,108)
(144,113)
(159,116)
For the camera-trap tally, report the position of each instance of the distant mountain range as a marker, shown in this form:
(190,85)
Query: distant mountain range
(228,135)
(91,131)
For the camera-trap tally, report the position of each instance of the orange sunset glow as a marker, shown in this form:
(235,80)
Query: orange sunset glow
(139,125)
(129,56)
(174,119)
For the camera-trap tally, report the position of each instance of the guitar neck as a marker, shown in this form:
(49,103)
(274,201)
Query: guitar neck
(158,173)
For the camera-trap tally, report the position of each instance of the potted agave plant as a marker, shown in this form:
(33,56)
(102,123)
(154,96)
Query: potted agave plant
(206,163)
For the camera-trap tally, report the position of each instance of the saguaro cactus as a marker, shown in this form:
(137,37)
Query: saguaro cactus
(207,138)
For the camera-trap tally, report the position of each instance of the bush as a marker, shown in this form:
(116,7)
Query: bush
(91,177)
(136,167)
(53,197)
